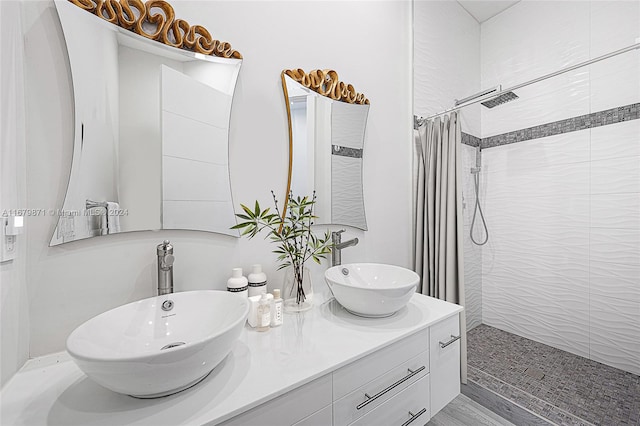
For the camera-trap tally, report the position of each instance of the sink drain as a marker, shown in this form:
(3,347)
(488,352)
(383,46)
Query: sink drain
(172,345)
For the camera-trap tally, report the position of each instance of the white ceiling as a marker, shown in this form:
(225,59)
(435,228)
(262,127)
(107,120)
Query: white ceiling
(482,10)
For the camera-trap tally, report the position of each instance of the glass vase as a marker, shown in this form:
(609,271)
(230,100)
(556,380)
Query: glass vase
(297,290)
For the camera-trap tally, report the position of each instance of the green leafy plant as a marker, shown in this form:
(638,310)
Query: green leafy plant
(296,241)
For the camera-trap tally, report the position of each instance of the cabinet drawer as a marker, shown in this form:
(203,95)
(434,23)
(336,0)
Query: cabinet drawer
(294,406)
(379,390)
(353,376)
(319,418)
(444,351)
(409,407)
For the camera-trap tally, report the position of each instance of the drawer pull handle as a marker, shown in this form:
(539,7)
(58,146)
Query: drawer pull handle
(370,399)
(414,416)
(453,339)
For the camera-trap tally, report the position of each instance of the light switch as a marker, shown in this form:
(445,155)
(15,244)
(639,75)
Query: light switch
(10,228)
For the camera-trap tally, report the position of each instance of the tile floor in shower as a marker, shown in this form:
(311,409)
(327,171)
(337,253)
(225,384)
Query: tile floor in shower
(563,388)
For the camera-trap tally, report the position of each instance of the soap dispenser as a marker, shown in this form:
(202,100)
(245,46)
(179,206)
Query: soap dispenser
(257,281)
(237,283)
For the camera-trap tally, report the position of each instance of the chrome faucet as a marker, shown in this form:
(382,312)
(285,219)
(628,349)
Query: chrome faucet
(165,267)
(338,245)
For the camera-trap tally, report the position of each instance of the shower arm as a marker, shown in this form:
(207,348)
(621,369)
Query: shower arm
(490,94)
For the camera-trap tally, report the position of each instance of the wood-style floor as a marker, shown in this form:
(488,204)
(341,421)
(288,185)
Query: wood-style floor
(463,411)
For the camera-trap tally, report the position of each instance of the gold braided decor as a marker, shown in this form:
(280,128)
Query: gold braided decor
(158,17)
(326,83)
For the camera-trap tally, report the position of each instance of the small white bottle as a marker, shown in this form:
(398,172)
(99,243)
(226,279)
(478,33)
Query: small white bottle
(264,313)
(276,309)
(237,283)
(257,281)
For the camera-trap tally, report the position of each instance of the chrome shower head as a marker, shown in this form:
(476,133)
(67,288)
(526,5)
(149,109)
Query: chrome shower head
(504,98)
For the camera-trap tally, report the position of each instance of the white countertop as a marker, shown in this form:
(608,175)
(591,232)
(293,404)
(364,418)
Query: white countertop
(51,390)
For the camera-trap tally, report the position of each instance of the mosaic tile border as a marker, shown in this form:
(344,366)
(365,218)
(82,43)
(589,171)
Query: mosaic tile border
(581,122)
(345,151)
(470,140)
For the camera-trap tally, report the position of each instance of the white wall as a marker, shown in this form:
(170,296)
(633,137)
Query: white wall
(14,304)
(447,67)
(70,283)
(563,261)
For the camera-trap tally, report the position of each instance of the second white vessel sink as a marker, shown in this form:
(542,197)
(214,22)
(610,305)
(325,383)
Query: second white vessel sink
(160,345)
(371,289)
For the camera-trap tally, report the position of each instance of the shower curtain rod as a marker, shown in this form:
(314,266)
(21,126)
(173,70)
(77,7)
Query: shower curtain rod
(483,96)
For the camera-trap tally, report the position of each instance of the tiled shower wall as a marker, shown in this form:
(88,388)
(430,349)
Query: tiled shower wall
(562,265)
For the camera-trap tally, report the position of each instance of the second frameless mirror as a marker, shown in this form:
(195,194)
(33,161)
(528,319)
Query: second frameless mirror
(327,123)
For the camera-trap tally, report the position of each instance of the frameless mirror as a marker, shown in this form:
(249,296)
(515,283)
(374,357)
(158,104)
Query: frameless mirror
(327,123)
(150,148)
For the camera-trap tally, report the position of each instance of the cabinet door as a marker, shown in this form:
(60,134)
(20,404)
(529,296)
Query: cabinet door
(294,406)
(409,407)
(444,347)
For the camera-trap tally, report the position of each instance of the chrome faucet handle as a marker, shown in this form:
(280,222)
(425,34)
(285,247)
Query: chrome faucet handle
(336,235)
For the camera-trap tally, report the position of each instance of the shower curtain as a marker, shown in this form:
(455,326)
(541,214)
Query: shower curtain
(438,216)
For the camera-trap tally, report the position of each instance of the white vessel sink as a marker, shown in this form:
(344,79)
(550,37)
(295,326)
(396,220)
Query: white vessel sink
(142,350)
(371,289)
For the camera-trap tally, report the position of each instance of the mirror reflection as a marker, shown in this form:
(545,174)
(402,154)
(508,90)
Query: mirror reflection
(326,144)
(150,147)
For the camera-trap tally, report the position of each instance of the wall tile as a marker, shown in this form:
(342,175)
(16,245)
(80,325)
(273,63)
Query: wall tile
(531,39)
(532,154)
(614,333)
(614,25)
(569,245)
(615,211)
(616,281)
(615,176)
(615,82)
(615,245)
(556,180)
(615,140)
(545,314)
(542,271)
(528,213)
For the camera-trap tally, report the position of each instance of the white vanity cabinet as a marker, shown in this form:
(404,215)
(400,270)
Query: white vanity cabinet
(323,367)
(403,383)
